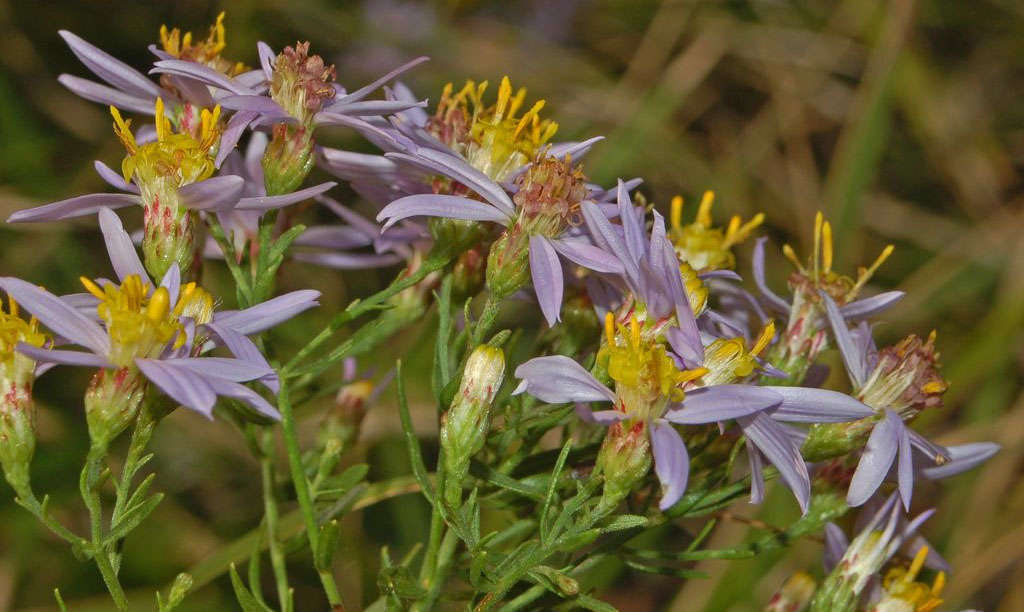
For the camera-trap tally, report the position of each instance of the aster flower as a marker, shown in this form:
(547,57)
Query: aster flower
(855,567)
(17,409)
(537,217)
(651,394)
(897,383)
(805,336)
(156,334)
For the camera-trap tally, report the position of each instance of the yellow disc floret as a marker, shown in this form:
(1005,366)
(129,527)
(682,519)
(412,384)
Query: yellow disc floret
(645,376)
(900,583)
(728,360)
(495,139)
(175,157)
(206,52)
(15,367)
(141,321)
(705,247)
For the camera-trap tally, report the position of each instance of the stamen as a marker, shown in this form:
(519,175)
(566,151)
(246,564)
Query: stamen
(685,376)
(917,564)
(704,210)
(517,102)
(92,288)
(12,306)
(939,584)
(826,248)
(609,328)
(764,339)
(734,226)
(816,258)
(504,93)
(159,304)
(867,273)
(123,130)
(676,212)
(634,332)
(163,125)
(788,252)
(528,117)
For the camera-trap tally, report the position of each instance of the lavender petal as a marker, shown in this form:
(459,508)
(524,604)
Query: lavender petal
(598,417)
(782,452)
(244,394)
(122,253)
(72,358)
(180,384)
(74,207)
(904,464)
(557,379)
(546,271)
(263,203)
(808,405)
(721,403)
(854,360)
(112,178)
(110,69)
(267,314)
(963,457)
(451,207)
(588,256)
(671,462)
(778,304)
(459,170)
(217,194)
(95,92)
(350,261)
(871,306)
(875,462)
(57,315)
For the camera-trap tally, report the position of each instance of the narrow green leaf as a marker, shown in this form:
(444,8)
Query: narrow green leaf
(244,597)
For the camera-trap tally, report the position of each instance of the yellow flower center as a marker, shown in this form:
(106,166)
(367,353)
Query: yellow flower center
(646,378)
(705,247)
(492,138)
(175,157)
(13,329)
(728,360)
(900,583)
(205,52)
(141,321)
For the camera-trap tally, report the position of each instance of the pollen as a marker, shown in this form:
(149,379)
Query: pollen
(14,329)
(206,52)
(175,156)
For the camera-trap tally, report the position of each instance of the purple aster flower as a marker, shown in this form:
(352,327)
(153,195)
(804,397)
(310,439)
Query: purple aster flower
(159,332)
(537,218)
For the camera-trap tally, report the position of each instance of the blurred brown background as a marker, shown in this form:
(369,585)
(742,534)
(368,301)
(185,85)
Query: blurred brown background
(901,120)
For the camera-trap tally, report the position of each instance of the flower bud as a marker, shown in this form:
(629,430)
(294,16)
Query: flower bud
(344,422)
(17,411)
(624,459)
(508,264)
(455,235)
(468,274)
(112,402)
(464,427)
(287,159)
(794,595)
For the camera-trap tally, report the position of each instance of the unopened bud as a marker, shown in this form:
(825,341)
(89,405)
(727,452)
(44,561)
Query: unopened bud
(468,274)
(17,411)
(112,402)
(508,264)
(455,235)
(624,459)
(344,422)
(830,440)
(464,427)
(169,236)
(794,595)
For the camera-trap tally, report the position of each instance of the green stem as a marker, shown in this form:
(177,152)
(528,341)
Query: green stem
(89,485)
(439,575)
(141,435)
(298,474)
(492,307)
(270,514)
(27,500)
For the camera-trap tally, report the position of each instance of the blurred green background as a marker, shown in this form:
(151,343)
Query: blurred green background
(902,120)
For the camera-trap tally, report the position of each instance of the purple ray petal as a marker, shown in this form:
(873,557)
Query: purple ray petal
(334,237)
(181,384)
(875,462)
(73,358)
(756,461)
(201,73)
(963,457)
(95,92)
(57,315)
(835,546)
(720,275)
(244,394)
(777,304)
(452,207)
(120,247)
(671,463)
(256,104)
(172,282)
(459,170)
(933,560)
(546,271)
(598,417)
(350,261)
(871,306)
(111,69)
(369,88)
(373,108)
(216,194)
(74,207)
(808,405)
(278,201)
(226,368)
(265,315)
(904,464)
(556,379)
(933,452)
(232,133)
(631,225)
(244,349)
(608,239)
(112,178)
(574,150)
(721,403)
(588,256)
(267,59)
(771,440)
(854,360)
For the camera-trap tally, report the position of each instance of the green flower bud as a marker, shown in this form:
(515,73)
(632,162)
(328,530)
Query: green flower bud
(468,274)
(287,159)
(112,402)
(464,427)
(624,459)
(508,264)
(456,235)
(830,440)
(170,235)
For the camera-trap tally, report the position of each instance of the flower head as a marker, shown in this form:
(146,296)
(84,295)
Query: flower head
(17,374)
(302,82)
(493,138)
(206,52)
(700,244)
